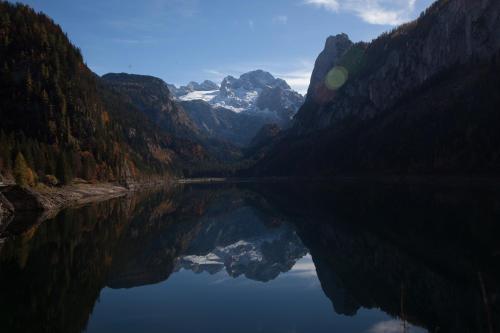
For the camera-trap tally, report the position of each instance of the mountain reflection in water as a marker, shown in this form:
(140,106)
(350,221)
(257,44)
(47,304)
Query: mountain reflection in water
(259,258)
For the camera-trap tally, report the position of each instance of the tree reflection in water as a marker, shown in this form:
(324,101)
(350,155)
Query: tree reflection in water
(424,254)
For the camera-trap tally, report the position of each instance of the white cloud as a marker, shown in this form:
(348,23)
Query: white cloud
(280,19)
(331,5)
(298,79)
(382,12)
(251,24)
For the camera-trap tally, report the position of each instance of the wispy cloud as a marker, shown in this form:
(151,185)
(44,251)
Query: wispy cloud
(251,24)
(280,19)
(382,12)
(331,5)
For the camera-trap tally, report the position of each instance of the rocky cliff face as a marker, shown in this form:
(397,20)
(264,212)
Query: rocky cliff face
(451,33)
(335,48)
(420,99)
(223,124)
(259,92)
(6,209)
(152,96)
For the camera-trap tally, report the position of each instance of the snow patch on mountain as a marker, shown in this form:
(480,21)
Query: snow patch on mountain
(206,96)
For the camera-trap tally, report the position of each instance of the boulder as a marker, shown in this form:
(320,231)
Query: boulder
(6,209)
(23,198)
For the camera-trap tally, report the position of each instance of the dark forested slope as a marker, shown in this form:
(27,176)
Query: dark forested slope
(57,118)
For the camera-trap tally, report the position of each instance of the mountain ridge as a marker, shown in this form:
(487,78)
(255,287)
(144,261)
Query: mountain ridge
(420,99)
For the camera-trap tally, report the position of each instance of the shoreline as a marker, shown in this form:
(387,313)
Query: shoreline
(16,199)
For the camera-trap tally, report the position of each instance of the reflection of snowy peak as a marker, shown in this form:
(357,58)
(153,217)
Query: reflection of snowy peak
(244,94)
(260,258)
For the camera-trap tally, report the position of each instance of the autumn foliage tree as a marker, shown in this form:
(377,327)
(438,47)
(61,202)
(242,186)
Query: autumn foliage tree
(22,172)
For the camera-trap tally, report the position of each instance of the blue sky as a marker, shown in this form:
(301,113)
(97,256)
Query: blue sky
(184,40)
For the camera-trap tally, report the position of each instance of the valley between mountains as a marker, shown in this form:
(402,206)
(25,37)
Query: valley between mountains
(422,99)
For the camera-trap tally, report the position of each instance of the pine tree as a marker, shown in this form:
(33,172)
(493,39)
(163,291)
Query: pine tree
(23,174)
(63,170)
(29,84)
(5,153)
(88,166)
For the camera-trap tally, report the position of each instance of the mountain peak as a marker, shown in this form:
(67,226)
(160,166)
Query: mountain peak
(335,40)
(126,77)
(258,75)
(335,47)
(252,81)
(206,85)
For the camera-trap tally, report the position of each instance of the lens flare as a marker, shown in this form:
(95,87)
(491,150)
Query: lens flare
(336,77)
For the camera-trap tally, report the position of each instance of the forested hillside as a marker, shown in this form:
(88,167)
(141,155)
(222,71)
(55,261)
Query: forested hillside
(58,119)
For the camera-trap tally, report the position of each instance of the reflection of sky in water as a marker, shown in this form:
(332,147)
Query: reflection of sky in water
(393,326)
(304,268)
(189,302)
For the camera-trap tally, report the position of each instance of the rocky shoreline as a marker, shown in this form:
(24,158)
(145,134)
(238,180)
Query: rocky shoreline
(6,208)
(15,199)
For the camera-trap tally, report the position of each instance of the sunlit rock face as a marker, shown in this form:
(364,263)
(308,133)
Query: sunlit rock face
(335,48)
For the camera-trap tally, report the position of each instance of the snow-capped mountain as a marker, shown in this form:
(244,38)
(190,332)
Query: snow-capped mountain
(251,92)
(237,109)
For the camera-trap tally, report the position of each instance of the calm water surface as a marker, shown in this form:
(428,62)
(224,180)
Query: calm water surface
(258,258)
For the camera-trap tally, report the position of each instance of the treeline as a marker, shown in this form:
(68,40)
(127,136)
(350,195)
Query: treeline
(30,162)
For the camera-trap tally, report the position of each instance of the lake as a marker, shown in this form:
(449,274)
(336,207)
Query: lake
(249,257)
